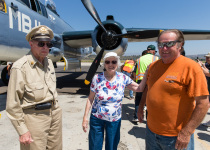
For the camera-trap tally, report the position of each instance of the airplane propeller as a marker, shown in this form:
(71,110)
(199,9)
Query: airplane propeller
(94,66)
(109,36)
(144,34)
(91,9)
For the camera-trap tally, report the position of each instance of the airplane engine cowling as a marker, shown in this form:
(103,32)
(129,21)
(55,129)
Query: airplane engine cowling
(114,44)
(56,52)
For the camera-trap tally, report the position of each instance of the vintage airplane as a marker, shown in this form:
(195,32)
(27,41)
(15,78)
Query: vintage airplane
(19,16)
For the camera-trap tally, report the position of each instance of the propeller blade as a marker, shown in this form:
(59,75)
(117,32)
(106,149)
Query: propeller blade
(92,11)
(94,67)
(140,34)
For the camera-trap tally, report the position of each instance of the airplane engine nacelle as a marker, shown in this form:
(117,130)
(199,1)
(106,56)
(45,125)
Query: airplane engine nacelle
(114,44)
(56,52)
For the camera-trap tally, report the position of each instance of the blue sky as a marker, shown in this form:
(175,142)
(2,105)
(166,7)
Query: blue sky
(179,14)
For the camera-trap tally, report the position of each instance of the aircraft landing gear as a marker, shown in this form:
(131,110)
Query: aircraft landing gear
(5,74)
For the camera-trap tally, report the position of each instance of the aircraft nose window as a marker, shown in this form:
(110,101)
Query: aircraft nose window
(2,6)
(51,5)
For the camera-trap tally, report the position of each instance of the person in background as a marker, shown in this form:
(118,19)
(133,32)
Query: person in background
(206,69)
(139,70)
(32,104)
(183,52)
(127,69)
(144,52)
(106,94)
(177,97)
(2,6)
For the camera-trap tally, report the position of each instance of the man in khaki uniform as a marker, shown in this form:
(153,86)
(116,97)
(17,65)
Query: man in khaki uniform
(2,5)
(32,104)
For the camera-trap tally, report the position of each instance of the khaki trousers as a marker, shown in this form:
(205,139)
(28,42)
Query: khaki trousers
(45,127)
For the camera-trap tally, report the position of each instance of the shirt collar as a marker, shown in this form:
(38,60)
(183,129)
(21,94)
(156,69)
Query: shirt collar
(33,61)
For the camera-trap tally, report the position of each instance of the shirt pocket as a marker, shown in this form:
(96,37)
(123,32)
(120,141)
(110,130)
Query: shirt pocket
(53,77)
(52,80)
(34,92)
(174,85)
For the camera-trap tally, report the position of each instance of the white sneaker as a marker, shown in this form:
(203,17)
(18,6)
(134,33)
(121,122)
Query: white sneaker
(207,124)
(135,120)
(208,129)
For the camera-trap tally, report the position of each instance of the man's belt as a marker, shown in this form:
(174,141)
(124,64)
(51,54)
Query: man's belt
(44,106)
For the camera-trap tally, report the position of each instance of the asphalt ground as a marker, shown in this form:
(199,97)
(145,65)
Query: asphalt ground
(72,98)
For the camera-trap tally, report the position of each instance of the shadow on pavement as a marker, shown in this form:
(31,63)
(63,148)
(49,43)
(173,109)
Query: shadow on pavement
(204,136)
(138,132)
(2,102)
(70,80)
(127,111)
(72,83)
(127,114)
(201,128)
(69,84)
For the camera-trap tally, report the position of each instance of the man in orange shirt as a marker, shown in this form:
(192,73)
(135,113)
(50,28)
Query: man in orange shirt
(174,84)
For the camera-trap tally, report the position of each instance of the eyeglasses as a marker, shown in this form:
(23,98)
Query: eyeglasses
(42,44)
(108,62)
(167,44)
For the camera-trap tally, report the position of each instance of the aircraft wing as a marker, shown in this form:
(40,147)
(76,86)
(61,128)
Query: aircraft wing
(188,34)
(78,39)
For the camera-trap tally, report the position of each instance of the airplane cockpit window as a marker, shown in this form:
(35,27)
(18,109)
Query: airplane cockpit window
(51,5)
(2,6)
(38,7)
(44,11)
(26,2)
(33,5)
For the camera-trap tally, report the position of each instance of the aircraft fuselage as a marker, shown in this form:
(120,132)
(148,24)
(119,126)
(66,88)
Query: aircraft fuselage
(19,19)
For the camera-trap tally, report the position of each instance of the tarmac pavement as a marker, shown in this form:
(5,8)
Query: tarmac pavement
(73,105)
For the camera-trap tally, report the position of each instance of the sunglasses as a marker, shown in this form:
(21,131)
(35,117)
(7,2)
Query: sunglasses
(167,44)
(108,62)
(42,44)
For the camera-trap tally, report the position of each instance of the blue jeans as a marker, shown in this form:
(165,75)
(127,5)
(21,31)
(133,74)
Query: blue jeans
(96,134)
(128,74)
(159,142)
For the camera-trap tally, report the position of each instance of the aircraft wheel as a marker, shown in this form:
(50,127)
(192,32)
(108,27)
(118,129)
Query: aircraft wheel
(5,76)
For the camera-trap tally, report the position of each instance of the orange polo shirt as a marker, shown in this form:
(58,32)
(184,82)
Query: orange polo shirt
(171,91)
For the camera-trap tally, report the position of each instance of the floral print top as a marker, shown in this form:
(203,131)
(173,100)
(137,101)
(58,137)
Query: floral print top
(108,96)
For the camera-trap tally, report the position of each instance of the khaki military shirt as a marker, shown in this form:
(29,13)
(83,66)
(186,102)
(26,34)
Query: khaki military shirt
(30,83)
(2,5)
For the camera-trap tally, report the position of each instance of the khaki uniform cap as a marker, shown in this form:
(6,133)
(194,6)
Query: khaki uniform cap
(40,33)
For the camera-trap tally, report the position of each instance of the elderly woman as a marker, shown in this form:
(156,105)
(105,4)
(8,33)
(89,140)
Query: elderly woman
(107,91)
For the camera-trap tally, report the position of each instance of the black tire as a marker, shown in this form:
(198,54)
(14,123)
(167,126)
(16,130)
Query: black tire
(5,76)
